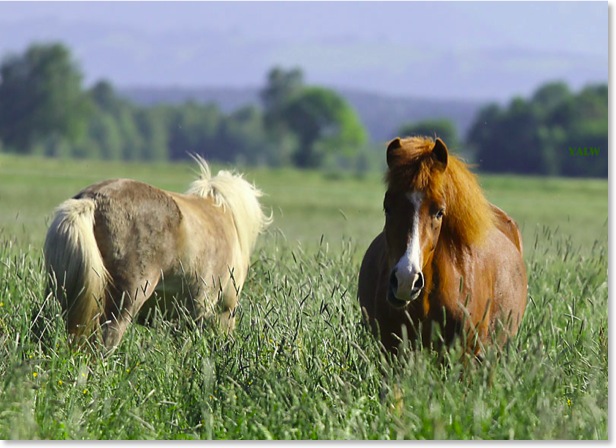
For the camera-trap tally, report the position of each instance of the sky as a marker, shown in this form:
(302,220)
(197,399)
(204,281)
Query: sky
(448,50)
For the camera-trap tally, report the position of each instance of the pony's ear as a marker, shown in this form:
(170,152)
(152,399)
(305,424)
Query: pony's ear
(391,147)
(439,152)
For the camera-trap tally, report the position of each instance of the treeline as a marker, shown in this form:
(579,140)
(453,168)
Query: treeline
(44,109)
(555,132)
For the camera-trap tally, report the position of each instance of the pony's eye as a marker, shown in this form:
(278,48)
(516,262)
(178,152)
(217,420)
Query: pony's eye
(439,214)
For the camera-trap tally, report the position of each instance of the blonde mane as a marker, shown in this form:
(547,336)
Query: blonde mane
(468,214)
(232,191)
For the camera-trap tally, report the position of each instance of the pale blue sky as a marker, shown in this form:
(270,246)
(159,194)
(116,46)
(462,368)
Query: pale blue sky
(482,50)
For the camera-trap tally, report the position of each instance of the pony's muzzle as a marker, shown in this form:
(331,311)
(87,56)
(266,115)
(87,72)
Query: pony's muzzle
(401,290)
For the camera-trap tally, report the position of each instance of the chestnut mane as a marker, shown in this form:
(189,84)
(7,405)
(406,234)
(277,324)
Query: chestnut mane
(468,214)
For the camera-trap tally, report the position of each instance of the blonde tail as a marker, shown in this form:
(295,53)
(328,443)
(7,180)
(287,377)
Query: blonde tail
(78,277)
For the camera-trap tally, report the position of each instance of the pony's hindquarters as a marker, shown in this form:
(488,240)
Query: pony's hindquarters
(510,285)
(508,226)
(77,275)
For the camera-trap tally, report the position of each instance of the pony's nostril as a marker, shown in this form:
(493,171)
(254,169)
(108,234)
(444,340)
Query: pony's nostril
(419,281)
(393,280)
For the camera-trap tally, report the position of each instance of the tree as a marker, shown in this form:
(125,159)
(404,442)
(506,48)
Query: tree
(106,134)
(152,125)
(551,95)
(245,140)
(442,128)
(323,122)
(280,88)
(541,135)
(194,128)
(104,137)
(41,97)
(104,97)
(508,141)
(586,121)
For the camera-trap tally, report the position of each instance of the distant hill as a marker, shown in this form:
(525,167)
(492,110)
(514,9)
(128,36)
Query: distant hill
(381,115)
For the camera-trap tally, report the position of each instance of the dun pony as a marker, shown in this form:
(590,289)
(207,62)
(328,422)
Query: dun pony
(115,243)
(446,256)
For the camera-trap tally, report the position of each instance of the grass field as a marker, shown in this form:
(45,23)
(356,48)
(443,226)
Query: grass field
(300,365)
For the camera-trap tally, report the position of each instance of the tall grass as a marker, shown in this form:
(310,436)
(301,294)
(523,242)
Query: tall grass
(300,364)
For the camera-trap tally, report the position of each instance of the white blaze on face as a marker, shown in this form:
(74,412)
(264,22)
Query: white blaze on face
(408,267)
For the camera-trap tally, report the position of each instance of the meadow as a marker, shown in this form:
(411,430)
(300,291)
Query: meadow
(300,364)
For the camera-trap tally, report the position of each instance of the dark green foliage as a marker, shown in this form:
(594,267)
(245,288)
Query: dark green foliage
(193,129)
(320,120)
(442,128)
(41,98)
(43,110)
(245,137)
(280,88)
(323,123)
(551,133)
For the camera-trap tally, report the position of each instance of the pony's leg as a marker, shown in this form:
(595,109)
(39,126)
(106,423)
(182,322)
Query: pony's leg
(116,319)
(228,302)
(226,320)
(204,309)
(123,305)
(476,338)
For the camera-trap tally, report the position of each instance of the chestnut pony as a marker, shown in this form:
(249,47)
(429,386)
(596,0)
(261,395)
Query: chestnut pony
(110,247)
(446,257)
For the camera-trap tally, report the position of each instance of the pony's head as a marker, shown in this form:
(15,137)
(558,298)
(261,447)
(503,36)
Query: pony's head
(431,197)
